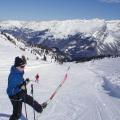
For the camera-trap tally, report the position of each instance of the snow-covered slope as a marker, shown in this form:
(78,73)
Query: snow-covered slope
(91,91)
(77,38)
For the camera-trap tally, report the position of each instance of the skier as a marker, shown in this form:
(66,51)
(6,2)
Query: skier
(17,91)
(37,78)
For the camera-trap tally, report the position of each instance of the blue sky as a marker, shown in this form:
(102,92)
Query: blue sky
(59,9)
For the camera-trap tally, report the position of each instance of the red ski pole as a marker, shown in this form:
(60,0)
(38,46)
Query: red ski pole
(60,85)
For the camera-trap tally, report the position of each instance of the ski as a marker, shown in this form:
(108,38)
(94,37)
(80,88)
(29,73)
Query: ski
(56,90)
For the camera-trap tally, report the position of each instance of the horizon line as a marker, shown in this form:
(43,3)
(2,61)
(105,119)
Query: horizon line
(59,19)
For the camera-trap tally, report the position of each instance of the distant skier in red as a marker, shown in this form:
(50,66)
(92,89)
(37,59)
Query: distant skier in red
(37,78)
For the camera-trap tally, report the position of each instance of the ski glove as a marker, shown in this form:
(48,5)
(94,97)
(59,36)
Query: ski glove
(44,105)
(27,81)
(23,85)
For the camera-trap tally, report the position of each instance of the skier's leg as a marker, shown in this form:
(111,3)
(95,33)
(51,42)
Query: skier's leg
(33,103)
(17,108)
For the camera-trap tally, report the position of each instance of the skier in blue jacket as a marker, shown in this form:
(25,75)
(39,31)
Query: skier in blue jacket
(17,91)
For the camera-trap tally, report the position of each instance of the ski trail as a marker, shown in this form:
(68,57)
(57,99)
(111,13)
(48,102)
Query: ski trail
(90,103)
(102,109)
(99,112)
(107,103)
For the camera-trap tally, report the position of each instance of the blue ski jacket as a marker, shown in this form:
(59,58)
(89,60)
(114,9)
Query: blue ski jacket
(15,79)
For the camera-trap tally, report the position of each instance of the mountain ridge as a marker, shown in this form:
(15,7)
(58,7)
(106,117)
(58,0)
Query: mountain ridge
(77,38)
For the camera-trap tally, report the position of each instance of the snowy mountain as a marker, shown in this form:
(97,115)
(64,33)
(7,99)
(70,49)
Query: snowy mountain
(76,38)
(91,91)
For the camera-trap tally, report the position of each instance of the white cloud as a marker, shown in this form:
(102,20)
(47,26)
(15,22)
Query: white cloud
(111,1)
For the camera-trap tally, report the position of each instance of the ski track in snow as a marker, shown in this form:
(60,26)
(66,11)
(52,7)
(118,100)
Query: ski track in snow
(82,97)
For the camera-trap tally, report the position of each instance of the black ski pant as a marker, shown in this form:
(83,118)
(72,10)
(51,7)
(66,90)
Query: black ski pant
(17,101)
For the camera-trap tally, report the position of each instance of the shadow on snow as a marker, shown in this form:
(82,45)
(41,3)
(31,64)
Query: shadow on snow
(4,115)
(113,90)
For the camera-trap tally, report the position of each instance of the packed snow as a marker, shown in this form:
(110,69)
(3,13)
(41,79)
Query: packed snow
(91,91)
